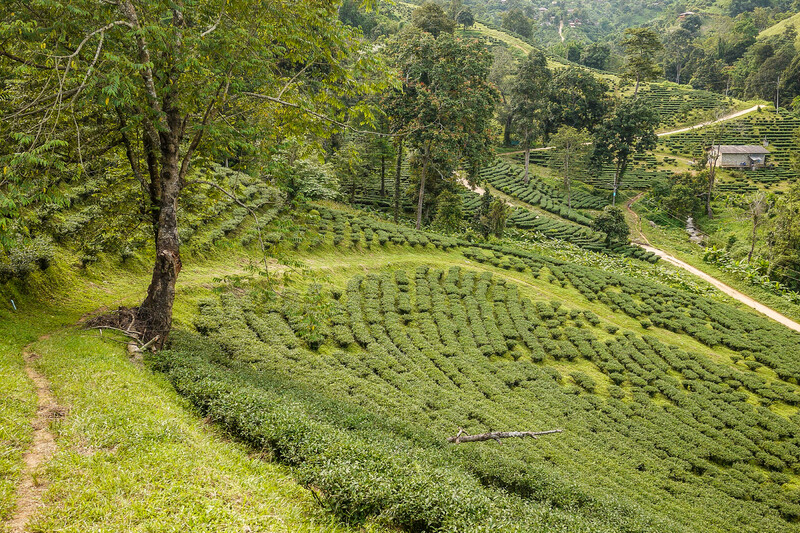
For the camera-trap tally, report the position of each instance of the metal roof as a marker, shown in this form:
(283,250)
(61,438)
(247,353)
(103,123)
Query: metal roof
(741,149)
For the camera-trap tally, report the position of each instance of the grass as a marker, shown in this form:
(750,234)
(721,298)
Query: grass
(132,455)
(780,27)
(17,406)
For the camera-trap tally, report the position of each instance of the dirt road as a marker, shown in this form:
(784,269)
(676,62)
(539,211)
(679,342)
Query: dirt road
(729,116)
(641,240)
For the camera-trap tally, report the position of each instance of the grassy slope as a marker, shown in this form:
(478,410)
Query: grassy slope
(781,26)
(124,419)
(131,455)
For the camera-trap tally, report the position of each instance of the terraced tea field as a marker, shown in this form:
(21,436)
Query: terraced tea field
(776,130)
(679,413)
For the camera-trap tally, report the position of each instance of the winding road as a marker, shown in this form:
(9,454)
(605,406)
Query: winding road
(724,118)
(729,116)
(641,240)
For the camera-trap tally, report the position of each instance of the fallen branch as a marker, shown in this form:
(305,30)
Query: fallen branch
(463,436)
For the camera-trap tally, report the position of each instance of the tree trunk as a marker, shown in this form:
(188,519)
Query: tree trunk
(421,200)
(678,72)
(711,175)
(525,177)
(507,130)
(753,239)
(397,180)
(383,175)
(616,185)
(154,316)
(636,89)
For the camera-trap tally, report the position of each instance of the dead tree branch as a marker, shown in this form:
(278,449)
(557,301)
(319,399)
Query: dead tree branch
(463,436)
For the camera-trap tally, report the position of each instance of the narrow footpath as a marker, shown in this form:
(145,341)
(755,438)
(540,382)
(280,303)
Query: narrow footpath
(31,487)
(640,240)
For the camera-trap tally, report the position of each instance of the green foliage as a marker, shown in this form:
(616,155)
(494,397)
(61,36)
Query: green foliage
(449,214)
(465,18)
(595,55)
(530,98)
(641,47)
(628,130)
(21,260)
(445,109)
(313,179)
(612,222)
(516,22)
(681,195)
(498,214)
(579,99)
(570,155)
(431,18)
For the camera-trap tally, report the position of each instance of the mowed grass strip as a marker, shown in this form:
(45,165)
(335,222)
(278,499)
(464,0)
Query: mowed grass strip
(133,457)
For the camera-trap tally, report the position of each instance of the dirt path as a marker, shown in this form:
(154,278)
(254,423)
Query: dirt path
(31,487)
(729,116)
(641,240)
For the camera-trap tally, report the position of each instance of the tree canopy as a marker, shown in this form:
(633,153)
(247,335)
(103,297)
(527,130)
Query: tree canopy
(445,107)
(166,87)
(629,129)
(641,46)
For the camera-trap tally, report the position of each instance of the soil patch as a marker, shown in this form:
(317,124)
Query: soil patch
(32,485)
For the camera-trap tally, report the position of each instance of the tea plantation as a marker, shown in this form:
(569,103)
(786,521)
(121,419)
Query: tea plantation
(679,413)
(756,128)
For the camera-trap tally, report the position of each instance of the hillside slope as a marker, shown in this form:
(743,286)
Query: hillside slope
(781,26)
(497,338)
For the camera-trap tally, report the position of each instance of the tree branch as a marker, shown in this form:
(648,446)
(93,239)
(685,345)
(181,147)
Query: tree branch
(26,61)
(318,115)
(462,435)
(213,26)
(199,135)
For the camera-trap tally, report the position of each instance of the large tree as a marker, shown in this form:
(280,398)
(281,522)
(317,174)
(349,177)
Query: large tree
(629,129)
(678,48)
(166,84)
(595,55)
(579,99)
(570,155)
(444,108)
(531,107)
(612,222)
(783,238)
(641,47)
(515,21)
(431,18)
(501,75)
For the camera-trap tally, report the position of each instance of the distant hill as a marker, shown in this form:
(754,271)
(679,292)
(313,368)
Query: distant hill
(780,27)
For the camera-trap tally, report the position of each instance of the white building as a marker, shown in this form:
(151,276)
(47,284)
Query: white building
(739,156)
